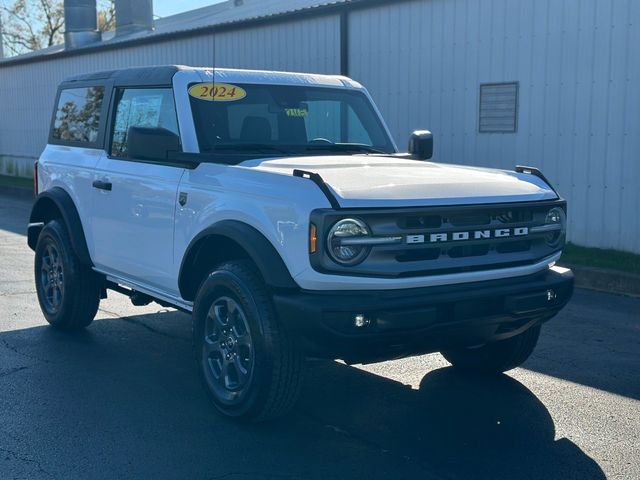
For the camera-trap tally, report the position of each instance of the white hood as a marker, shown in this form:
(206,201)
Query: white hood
(370,181)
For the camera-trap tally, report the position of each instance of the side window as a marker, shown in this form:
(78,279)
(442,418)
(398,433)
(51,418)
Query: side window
(78,115)
(144,116)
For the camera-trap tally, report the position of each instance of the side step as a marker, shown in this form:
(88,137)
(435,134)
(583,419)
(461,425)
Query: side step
(137,298)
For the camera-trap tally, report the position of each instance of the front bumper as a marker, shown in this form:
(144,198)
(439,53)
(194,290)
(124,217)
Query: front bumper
(421,320)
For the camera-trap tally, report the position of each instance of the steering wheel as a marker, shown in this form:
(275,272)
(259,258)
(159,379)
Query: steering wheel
(320,141)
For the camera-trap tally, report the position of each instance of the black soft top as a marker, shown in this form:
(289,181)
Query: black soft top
(139,76)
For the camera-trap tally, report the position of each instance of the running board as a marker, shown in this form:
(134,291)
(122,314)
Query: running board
(131,289)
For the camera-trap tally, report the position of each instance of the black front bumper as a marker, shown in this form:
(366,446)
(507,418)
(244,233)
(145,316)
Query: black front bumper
(421,320)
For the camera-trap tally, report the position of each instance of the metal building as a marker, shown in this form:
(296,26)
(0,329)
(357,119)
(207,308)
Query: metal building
(553,84)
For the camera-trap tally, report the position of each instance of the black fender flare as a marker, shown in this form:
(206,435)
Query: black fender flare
(260,250)
(57,203)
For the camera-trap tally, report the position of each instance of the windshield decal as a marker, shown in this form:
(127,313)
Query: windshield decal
(297,112)
(218,92)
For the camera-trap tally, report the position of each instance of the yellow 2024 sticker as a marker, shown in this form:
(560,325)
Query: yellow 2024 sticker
(217,92)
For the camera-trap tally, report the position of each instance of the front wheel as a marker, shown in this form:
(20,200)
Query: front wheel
(249,364)
(496,357)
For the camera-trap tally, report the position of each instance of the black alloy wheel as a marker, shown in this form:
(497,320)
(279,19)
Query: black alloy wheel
(52,278)
(228,355)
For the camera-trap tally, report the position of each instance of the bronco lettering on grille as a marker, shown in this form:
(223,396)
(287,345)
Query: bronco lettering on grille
(472,235)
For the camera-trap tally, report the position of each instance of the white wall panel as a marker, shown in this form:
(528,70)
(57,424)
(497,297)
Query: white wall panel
(305,46)
(579,109)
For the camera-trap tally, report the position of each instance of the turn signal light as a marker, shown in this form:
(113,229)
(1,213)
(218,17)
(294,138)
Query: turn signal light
(313,239)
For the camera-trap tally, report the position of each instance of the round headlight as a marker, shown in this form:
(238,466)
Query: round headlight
(342,242)
(556,216)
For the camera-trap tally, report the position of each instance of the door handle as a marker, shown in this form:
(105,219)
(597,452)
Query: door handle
(101,185)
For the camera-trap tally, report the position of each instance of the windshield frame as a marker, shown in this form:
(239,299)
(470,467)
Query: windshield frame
(310,149)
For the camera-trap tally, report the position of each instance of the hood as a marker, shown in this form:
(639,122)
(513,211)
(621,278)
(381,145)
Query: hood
(376,181)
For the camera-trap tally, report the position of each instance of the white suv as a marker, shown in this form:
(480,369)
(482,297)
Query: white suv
(276,208)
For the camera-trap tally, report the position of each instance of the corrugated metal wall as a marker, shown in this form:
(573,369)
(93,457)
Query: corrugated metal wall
(578,68)
(424,61)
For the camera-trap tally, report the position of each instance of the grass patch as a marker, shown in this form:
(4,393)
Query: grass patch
(601,258)
(20,182)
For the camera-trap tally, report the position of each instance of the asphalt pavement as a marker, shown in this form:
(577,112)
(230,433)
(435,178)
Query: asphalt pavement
(122,400)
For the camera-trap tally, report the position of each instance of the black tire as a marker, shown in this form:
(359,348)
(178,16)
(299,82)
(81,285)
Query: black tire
(496,357)
(249,364)
(68,291)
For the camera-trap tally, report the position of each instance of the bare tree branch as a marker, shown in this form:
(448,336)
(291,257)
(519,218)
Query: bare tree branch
(106,15)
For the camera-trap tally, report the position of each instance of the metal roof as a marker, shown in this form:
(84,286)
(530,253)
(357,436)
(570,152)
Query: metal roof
(226,13)
(221,14)
(156,75)
(163,75)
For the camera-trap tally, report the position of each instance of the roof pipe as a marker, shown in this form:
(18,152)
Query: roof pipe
(133,16)
(81,23)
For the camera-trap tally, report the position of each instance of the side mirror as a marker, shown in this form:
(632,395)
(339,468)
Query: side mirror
(151,143)
(421,145)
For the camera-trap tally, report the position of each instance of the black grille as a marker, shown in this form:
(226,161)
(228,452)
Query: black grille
(467,251)
(470,251)
(420,221)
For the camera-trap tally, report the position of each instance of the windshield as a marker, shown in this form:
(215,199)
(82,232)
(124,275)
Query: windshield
(285,119)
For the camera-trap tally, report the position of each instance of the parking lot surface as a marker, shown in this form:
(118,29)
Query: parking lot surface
(123,400)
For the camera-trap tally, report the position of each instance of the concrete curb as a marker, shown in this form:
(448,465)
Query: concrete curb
(603,280)
(16,192)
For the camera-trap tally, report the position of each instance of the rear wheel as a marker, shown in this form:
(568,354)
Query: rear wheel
(249,364)
(68,291)
(495,357)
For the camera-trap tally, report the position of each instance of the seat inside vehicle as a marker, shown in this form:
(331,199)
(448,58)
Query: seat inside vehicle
(255,130)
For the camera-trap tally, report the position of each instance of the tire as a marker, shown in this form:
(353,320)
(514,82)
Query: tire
(68,291)
(495,357)
(249,364)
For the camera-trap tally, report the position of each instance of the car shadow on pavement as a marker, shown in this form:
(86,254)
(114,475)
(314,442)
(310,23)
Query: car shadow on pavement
(457,425)
(126,390)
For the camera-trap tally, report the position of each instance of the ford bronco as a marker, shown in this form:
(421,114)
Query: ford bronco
(276,208)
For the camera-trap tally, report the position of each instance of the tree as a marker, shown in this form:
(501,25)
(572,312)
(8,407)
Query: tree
(29,25)
(78,119)
(106,15)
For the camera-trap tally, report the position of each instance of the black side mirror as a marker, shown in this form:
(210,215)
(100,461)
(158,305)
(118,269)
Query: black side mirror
(421,145)
(145,143)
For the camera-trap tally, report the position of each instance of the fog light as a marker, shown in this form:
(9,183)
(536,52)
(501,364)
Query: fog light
(551,295)
(360,320)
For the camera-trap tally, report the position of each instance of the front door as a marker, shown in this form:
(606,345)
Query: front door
(135,198)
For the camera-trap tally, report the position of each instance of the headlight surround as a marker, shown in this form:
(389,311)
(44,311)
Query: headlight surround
(556,216)
(348,229)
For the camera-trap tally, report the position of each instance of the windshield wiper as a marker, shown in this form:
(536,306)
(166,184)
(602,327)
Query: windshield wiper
(345,148)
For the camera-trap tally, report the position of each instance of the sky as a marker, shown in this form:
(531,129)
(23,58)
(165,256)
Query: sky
(164,8)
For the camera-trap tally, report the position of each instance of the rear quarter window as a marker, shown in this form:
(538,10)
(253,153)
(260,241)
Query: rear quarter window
(78,115)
